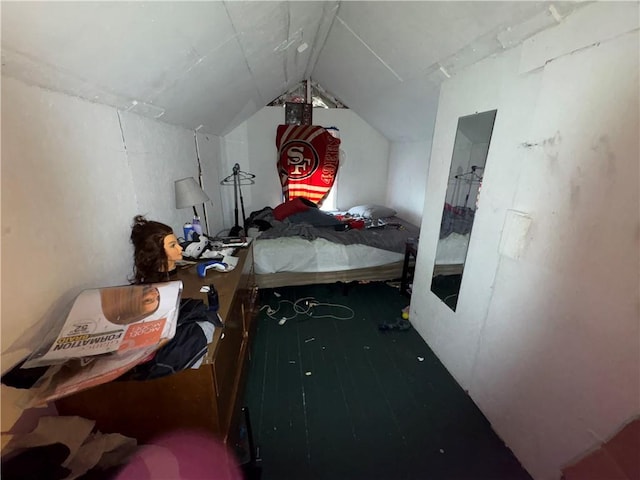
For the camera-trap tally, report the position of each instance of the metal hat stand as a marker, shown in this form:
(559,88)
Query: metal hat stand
(237,179)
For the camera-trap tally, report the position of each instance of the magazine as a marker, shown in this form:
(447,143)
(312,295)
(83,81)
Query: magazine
(80,374)
(113,319)
(107,332)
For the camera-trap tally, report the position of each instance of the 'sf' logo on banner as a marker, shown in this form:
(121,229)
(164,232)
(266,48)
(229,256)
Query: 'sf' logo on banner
(302,159)
(307,161)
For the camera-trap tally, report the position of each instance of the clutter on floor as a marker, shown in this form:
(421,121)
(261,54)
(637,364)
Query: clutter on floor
(62,447)
(338,398)
(399,324)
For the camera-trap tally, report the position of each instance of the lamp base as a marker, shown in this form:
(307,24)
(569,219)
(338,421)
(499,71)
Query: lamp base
(236,231)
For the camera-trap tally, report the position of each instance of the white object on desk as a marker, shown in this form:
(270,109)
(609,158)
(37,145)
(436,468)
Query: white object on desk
(217,253)
(231,261)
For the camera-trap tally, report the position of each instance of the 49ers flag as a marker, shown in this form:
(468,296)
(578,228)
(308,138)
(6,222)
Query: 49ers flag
(307,161)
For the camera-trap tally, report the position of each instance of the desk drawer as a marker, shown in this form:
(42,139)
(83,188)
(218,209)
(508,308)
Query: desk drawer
(147,409)
(225,366)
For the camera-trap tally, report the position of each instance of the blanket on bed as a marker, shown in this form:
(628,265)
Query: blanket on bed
(456,220)
(392,235)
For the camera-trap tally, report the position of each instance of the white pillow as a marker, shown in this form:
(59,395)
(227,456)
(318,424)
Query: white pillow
(371,211)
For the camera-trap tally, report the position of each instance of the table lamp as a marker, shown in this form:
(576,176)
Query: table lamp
(189,194)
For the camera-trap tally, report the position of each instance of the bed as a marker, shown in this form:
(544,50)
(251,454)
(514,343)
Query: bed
(450,254)
(455,230)
(321,248)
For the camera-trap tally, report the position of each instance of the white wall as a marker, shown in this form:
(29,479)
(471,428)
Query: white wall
(546,334)
(408,166)
(74,174)
(362,178)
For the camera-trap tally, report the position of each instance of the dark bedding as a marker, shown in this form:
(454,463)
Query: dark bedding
(456,220)
(392,235)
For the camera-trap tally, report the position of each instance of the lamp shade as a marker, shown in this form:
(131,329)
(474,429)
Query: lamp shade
(189,193)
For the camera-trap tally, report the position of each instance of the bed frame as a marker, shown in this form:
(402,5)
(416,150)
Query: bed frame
(391,271)
(450,269)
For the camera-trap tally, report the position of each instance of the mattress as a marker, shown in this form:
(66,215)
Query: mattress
(452,249)
(294,254)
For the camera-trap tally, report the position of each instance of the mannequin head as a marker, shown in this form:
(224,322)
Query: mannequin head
(156,250)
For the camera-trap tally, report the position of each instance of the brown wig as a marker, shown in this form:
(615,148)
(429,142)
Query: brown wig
(150,263)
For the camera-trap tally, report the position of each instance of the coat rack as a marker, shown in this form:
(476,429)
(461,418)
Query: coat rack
(237,179)
(470,178)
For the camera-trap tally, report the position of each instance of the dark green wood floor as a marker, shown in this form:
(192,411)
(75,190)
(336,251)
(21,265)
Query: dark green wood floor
(339,399)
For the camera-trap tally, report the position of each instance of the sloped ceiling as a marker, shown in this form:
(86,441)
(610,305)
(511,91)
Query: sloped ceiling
(211,65)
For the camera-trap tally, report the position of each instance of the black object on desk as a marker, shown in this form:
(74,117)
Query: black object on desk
(212,298)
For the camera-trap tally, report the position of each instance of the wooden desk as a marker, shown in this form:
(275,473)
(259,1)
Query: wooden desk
(207,398)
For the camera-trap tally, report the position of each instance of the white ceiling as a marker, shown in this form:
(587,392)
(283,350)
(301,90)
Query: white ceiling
(211,65)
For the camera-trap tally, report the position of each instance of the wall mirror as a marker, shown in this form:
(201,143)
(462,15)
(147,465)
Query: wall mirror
(468,160)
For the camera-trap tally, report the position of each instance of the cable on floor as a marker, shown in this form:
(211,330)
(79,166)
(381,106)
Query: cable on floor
(306,306)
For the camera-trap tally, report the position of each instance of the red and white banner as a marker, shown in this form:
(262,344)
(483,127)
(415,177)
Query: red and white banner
(307,161)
